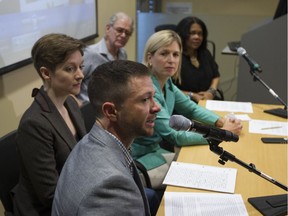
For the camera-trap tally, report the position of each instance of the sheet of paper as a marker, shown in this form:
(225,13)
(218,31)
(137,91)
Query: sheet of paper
(243,117)
(268,127)
(190,204)
(201,177)
(229,106)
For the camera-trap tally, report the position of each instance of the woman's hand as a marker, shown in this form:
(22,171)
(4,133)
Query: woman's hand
(206,95)
(202,96)
(230,124)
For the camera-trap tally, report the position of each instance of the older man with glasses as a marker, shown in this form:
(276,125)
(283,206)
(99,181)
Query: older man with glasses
(110,47)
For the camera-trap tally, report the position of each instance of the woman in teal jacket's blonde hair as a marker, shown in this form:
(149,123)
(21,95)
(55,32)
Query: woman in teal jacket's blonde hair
(162,55)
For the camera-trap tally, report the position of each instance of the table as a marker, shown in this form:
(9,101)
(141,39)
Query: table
(271,159)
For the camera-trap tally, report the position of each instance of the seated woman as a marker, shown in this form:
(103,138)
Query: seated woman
(199,72)
(52,125)
(162,55)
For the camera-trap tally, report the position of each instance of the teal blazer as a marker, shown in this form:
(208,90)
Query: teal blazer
(147,150)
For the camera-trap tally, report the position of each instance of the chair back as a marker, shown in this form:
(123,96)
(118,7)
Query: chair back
(165,27)
(88,114)
(212,48)
(9,170)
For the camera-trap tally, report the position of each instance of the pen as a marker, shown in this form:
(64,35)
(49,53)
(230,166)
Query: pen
(268,128)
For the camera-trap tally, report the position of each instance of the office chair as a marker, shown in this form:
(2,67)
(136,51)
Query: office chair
(212,48)
(88,114)
(165,27)
(9,170)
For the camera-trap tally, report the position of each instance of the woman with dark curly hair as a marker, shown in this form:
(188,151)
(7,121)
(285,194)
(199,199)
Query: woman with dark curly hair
(199,72)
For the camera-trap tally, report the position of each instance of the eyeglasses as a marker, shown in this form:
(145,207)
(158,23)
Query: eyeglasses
(120,31)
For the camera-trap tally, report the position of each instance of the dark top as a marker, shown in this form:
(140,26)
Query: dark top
(44,142)
(198,79)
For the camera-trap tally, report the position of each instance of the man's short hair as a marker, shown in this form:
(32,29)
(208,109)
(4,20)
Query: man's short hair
(110,82)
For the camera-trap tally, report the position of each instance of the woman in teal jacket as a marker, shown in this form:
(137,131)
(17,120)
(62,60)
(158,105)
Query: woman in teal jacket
(162,56)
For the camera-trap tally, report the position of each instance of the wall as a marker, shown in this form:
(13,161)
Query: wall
(226,21)
(16,86)
(230,7)
(270,52)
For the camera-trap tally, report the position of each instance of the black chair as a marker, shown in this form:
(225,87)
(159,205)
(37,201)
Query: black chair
(9,170)
(88,114)
(211,46)
(165,27)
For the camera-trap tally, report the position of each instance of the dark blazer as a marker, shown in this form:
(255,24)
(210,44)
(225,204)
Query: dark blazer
(44,142)
(96,180)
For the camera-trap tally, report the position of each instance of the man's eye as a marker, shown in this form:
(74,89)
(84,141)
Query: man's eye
(147,99)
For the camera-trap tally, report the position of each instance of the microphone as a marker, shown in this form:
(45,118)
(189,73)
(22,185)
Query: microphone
(242,52)
(179,122)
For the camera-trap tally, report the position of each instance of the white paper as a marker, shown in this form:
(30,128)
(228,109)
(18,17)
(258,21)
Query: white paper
(205,204)
(201,177)
(268,127)
(243,117)
(229,106)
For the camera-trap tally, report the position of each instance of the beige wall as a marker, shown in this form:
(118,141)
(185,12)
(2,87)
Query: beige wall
(230,7)
(16,86)
(228,20)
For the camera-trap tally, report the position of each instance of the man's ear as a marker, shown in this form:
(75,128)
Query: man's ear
(45,73)
(107,28)
(109,111)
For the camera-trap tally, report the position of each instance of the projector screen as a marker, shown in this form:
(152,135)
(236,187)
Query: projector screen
(22,22)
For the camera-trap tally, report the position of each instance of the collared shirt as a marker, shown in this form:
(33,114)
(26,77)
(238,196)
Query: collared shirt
(125,151)
(95,55)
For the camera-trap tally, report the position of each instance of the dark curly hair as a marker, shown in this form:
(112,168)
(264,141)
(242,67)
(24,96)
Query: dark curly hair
(183,29)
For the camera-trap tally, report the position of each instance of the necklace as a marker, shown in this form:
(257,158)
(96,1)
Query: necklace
(194,61)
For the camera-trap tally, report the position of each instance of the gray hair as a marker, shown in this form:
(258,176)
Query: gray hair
(119,15)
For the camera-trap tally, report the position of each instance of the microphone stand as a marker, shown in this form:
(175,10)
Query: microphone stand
(273,111)
(225,156)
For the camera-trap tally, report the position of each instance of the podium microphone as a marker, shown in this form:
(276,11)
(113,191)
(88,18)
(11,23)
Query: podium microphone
(179,122)
(254,66)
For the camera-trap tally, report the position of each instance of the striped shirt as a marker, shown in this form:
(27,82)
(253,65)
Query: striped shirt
(126,152)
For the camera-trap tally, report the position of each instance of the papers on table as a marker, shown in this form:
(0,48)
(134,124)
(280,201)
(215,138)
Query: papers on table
(229,106)
(201,177)
(268,127)
(255,126)
(190,204)
(242,117)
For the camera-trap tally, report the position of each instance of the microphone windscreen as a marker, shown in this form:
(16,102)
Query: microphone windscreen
(241,51)
(179,122)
